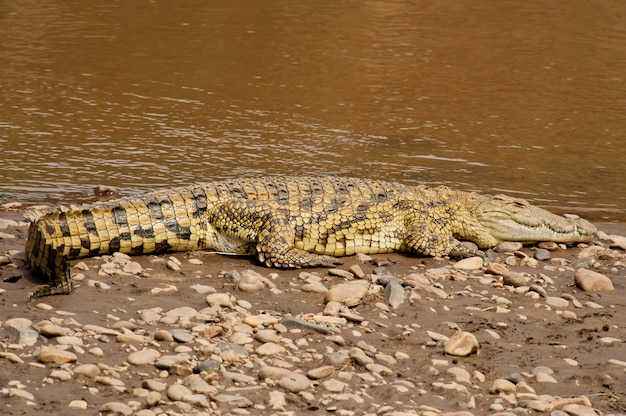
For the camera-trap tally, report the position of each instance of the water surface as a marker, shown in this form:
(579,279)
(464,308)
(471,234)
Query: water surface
(526,98)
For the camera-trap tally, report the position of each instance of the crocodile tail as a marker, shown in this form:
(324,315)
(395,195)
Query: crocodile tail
(154,222)
(47,259)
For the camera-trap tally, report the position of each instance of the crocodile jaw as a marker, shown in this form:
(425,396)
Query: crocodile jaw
(513,219)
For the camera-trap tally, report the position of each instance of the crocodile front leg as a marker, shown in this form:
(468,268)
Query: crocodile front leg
(266,225)
(420,239)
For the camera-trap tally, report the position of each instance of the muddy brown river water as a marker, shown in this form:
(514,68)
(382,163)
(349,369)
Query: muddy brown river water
(526,98)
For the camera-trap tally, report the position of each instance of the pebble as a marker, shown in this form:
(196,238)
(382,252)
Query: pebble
(515,279)
(359,356)
(294,382)
(219,299)
(461,344)
(346,293)
(357,271)
(590,281)
(89,370)
(508,247)
(496,268)
(394,293)
(542,254)
(177,392)
(501,385)
(78,404)
(173,264)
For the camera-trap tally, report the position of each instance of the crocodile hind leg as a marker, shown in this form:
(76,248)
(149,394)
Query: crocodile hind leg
(263,223)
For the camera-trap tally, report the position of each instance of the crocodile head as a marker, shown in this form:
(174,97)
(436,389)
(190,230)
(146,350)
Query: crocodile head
(504,218)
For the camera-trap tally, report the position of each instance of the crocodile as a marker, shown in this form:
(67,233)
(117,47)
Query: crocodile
(289,222)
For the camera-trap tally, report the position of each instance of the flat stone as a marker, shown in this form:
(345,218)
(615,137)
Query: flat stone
(182,312)
(154,385)
(197,384)
(394,293)
(557,302)
(117,408)
(25,336)
(461,344)
(379,369)
(320,372)
(52,330)
(109,381)
(267,335)
(291,322)
(341,273)
(545,378)
(203,289)
(143,357)
(590,281)
(100,330)
(182,335)
(242,338)
(55,355)
(260,320)
(270,348)
(272,373)
(578,410)
(470,263)
(235,400)
(334,386)
(132,267)
(461,375)
(89,370)
(294,382)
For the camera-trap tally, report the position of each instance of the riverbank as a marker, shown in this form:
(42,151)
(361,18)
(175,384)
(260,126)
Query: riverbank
(200,333)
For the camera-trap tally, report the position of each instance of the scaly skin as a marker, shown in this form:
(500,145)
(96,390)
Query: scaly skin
(289,222)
